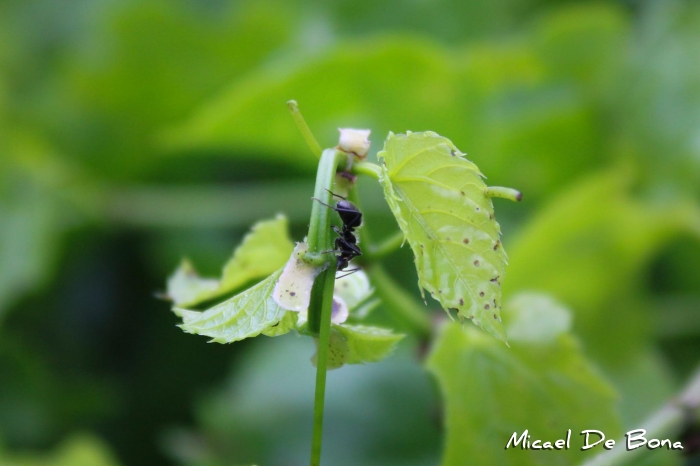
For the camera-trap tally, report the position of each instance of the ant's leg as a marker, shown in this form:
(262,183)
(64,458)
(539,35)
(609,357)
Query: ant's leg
(349,272)
(342,243)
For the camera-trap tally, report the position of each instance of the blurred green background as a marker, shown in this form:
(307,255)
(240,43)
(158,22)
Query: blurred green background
(136,132)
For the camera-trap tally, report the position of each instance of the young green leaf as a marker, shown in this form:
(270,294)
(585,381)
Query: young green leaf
(543,384)
(186,287)
(338,351)
(264,250)
(245,315)
(446,214)
(368,344)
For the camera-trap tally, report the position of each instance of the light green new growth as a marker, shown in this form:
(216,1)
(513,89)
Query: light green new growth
(243,316)
(368,344)
(264,250)
(445,212)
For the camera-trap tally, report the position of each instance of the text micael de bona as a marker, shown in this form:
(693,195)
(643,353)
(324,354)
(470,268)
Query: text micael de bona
(591,439)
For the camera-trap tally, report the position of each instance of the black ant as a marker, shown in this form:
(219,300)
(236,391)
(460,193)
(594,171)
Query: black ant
(346,243)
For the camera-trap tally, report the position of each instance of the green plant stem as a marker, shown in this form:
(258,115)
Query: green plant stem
(504,193)
(304,128)
(319,238)
(399,303)
(669,420)
(367,168)
(320,307)
(328,277)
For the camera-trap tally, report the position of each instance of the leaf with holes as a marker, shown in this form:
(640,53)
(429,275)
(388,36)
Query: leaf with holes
(445,211)
(245,315)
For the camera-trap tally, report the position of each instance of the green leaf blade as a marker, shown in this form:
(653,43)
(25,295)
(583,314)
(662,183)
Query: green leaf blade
(245,315)
(263,250)
(368,344)
(543,384)
(441,204)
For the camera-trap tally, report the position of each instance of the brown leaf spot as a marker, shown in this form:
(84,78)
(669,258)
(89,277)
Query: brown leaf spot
(476,263)
(481,293)
(465,240)
(486,306)
(461,301)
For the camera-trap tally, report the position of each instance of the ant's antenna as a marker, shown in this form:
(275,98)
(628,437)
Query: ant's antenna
(336,195)
(320,201)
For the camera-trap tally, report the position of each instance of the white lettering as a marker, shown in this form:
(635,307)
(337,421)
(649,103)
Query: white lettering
(632,438)
(517,442)
(587,433)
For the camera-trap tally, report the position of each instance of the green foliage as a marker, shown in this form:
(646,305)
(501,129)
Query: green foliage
(78,450)
(441,205)
(264,250)
(543,384)
(245,315)
(368,344)
(547,96)
(607,238)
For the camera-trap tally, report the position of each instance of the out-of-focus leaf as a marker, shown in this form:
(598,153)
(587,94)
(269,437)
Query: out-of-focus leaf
(588,249)
(584,42)
(380,414)
(245,315)
(368,344)
(171,55)
(356,85)
(515,105)
(264,250)
(658,96)
(440,202)
(78,450)
(543,384)
(37,204)
(338,351)
(353,289)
